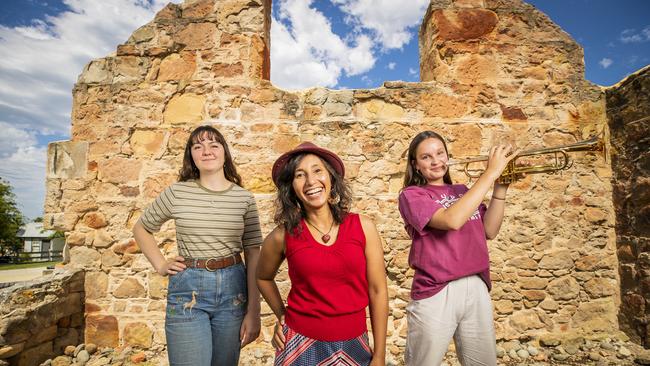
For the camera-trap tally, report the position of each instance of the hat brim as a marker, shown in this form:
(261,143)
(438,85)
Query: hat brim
(307,148)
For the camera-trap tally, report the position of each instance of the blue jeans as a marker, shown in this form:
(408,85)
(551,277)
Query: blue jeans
(204,315)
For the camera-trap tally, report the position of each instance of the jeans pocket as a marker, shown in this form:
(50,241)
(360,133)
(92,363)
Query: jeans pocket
(177,281)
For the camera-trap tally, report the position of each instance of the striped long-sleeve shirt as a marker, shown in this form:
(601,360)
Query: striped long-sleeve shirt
(209,224)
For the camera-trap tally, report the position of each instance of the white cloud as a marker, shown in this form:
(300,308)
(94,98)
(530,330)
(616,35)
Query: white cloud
(631,36)
(391,65)
(306,52)
(413,71)
(389,20)
(12,138)
(605,62)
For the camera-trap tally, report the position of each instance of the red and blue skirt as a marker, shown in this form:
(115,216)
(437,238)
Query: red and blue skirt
(300,350)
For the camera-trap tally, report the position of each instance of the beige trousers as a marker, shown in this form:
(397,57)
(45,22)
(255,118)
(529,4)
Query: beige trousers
(462,310)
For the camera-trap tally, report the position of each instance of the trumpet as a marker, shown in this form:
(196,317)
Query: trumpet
(557,159)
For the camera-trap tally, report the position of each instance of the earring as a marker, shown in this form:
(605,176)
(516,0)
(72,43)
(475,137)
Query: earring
(334,200)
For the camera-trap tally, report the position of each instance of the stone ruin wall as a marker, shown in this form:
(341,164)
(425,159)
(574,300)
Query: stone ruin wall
(628,111)
(492,70)
(40,318)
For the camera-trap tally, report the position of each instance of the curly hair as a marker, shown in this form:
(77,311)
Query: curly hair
(412,176)
(288,209)
(189,171)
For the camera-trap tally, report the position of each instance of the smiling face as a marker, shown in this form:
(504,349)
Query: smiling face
(207,154)
(312,183)
(431,160)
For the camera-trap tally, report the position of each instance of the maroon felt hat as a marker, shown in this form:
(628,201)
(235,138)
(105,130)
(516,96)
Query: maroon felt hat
(307,148)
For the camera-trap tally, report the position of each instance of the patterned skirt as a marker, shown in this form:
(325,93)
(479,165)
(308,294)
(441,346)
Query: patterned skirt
(304,351)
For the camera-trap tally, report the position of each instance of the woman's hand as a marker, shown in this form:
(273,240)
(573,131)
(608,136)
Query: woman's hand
(250,328)
(278,335)
(498,160)
(172,266)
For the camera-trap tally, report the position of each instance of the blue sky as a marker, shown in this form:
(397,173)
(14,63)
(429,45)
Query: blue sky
(44,45)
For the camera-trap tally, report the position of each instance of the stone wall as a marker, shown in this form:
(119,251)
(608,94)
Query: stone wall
(628,110)
(39,318)
(492,71)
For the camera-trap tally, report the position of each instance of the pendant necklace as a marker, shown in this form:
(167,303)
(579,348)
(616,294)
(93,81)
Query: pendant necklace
(326,236)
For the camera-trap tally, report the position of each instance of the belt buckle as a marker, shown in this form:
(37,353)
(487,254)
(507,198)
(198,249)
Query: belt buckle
(207,262)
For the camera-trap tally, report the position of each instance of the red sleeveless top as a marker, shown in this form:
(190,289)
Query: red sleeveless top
(329,287)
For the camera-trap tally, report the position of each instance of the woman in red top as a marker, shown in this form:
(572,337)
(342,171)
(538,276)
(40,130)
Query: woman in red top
(336,266)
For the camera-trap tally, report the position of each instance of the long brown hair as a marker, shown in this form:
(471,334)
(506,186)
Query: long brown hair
(189,171)
(288,208)
(412,176)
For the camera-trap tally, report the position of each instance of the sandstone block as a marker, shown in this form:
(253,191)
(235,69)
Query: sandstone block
(96,72)
(95,220)
(177,67)
(102,239)
(185,108)
(225,70)
(96,285)
(146,143)
(556,260)
(464,24)
(197,36)
(377,109)
(67,159)
(129,246)
(7,351)
(565,288)
(119,170)
(129,288)
(600,287)
(598,315)
(84,257)
(102,330)
(523,263)
(533,283)
(524,320)
(110,259)
(157,286)
(138,334)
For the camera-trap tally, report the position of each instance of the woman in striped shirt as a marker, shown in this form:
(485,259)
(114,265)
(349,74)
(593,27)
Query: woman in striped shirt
(208,315)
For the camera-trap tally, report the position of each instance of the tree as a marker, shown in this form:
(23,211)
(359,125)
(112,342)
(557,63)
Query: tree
(11,219)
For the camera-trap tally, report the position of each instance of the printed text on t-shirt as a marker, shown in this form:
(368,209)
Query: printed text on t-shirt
(446,201)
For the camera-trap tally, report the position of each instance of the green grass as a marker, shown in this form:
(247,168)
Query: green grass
(26,265)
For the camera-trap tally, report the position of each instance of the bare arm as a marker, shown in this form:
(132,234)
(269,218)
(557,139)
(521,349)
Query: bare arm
(149,248)
(378,292)
(251,326)
(456,215)
(271,258)
(494,214)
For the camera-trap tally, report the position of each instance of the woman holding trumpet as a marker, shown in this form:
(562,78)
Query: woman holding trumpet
(448,225)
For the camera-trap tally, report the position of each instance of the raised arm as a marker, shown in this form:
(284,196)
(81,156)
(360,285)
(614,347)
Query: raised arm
(271,258)
(378,292)
(494,214)
(456,215)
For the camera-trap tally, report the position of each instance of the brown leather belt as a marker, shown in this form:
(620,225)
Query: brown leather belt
(213,264)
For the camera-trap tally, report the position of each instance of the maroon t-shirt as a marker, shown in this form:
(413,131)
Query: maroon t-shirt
(441,256)
(329,285)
